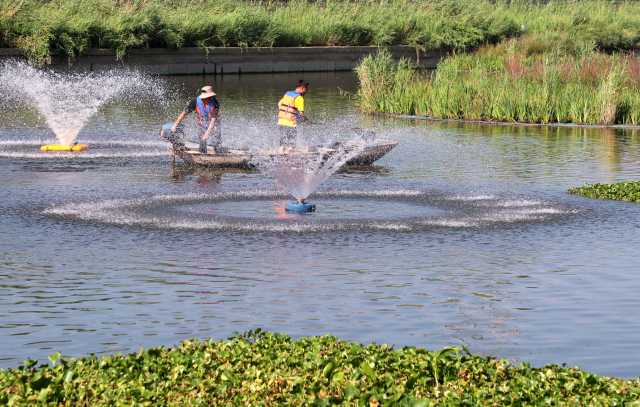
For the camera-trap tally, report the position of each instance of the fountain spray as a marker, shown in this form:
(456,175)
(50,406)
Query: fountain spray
(68,100)
(300,170)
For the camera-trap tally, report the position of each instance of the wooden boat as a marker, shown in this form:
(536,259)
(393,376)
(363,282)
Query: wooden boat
(227,159)
(235,158)
(373,153)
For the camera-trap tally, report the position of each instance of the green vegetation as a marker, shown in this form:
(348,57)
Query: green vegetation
(516,81)
(268,369)
(623,191)
(70,27)
(568,66)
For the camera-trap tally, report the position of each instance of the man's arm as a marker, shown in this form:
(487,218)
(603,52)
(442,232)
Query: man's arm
(191,106)
(209,132)
(178,121)
(299,105)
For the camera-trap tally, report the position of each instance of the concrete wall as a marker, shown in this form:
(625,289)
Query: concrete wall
(233,60)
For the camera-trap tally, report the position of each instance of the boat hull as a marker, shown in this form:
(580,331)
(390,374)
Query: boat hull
(372,153)
(226,160)
(241,159)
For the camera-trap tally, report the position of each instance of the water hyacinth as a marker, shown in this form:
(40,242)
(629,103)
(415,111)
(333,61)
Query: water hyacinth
(511,82)
(623,191)
(260,368)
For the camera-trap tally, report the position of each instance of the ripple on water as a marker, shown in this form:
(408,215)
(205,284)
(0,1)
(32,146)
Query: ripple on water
(30,149)
(263,211)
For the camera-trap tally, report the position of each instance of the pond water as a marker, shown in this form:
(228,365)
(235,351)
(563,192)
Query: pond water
(462,235)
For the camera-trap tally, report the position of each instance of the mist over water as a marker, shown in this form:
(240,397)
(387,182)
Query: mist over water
(68,100)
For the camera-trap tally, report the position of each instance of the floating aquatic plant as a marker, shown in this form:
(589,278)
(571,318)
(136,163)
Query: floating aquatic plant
(259,368)
(623,191)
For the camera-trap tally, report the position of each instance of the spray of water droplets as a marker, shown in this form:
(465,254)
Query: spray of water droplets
(301,169)
(68,100)
(422,211)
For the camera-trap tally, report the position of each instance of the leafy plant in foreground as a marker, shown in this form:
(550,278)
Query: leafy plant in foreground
(260,368)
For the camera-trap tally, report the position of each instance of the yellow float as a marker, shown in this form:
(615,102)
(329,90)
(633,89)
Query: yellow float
(61,147)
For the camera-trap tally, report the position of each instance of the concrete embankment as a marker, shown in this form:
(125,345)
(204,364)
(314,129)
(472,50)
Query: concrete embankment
(219,61)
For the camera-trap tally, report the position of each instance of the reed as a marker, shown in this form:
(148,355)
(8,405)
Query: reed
(511,82)
(69,27)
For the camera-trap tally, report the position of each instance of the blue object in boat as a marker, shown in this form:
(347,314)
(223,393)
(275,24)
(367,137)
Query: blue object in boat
(167,134)
(293,206)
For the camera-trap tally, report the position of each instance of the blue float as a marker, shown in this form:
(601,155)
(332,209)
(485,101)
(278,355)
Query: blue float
(294,206)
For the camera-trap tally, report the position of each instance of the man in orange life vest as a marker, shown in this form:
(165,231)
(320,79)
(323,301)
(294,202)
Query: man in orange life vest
(291,113)
(207,111)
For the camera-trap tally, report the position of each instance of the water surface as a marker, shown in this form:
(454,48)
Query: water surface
(463,235)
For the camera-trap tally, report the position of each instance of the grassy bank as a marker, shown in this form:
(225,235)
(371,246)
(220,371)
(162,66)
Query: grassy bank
(70,27)
(533,79)
(269,369)
(623,191)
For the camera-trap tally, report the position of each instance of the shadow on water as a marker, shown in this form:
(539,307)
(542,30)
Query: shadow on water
(203,176)
(364,170)
(39,166)
(179,171)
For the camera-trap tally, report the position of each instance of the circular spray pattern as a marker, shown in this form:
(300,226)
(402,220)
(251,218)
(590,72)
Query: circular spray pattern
(263,211)
(30,149)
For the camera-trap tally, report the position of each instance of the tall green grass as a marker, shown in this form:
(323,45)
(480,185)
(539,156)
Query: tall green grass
(69,27)
(516,81)
(380,76)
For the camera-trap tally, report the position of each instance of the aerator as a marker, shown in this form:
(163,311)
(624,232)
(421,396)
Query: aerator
(300,207)
(63,147)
